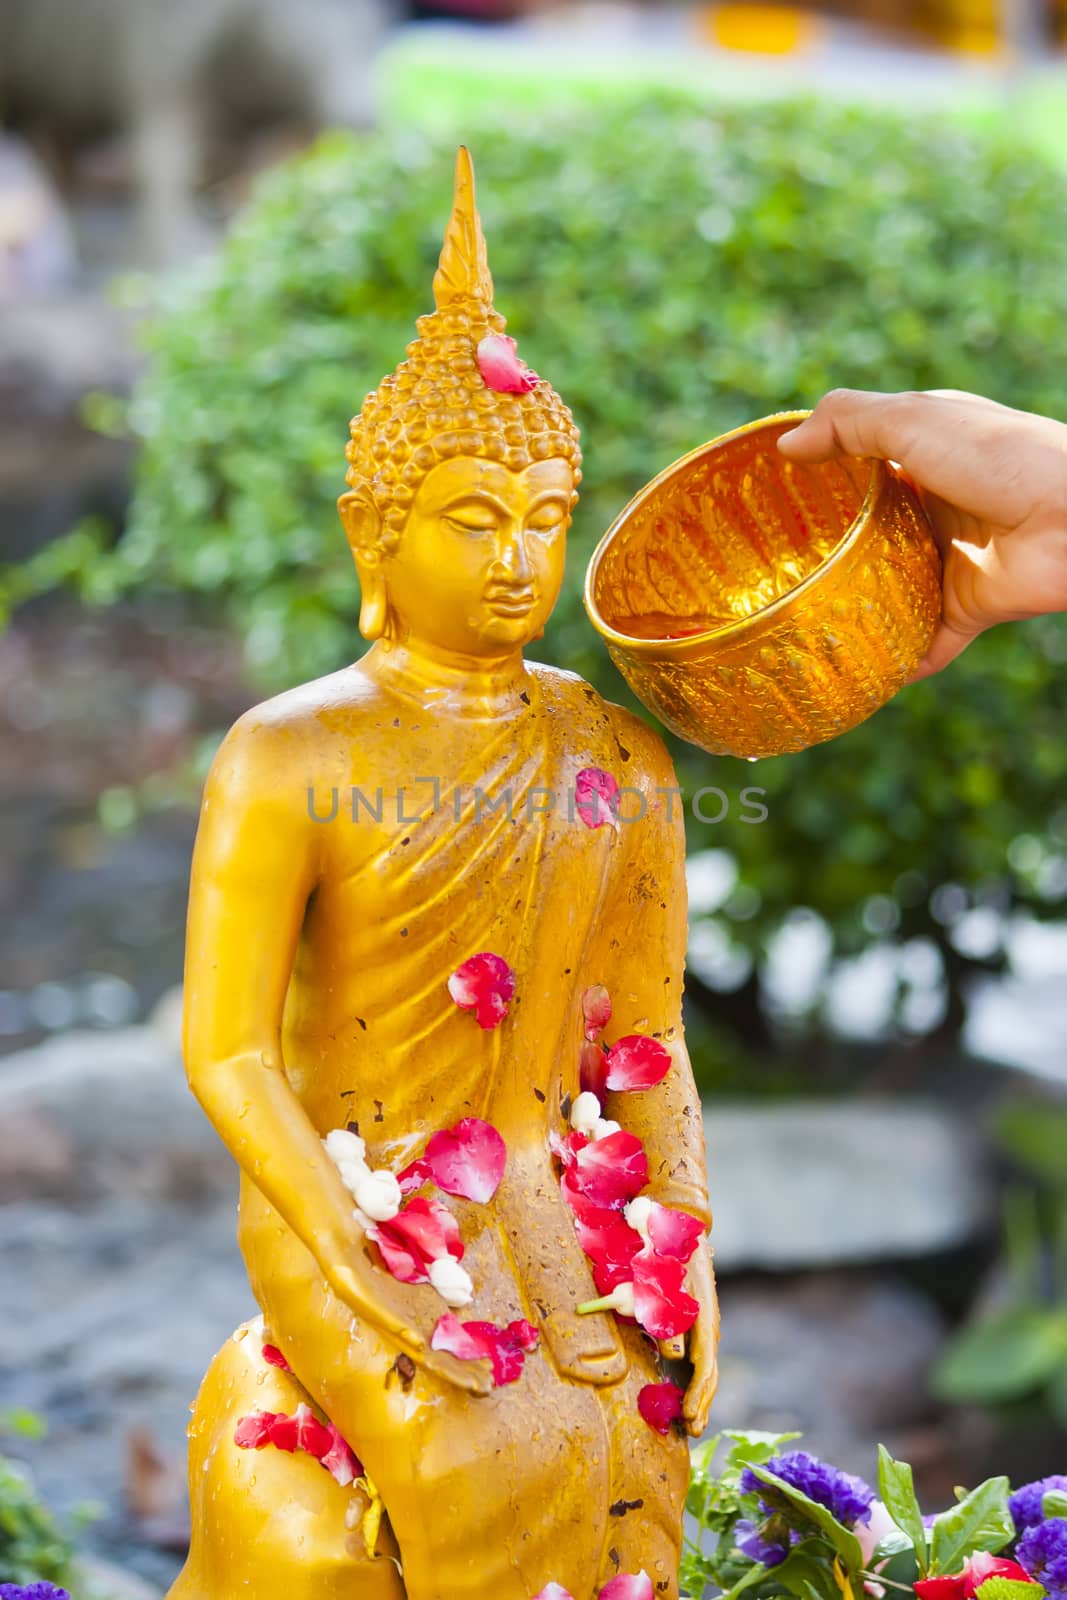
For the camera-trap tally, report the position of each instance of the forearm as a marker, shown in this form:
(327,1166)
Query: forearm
(669,1122)
(268,1133)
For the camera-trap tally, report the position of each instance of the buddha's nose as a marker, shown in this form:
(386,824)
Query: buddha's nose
(514,559)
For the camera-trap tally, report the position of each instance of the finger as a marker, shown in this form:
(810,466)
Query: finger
(473,1377)
(673,1349)
(856,422)
(947,644)
(696,1406)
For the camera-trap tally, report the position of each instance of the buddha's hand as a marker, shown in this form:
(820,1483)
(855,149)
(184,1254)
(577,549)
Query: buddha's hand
(356,1288)
(703,1345)
(993,483)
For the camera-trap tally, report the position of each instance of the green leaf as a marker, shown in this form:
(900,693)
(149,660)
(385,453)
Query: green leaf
(897,1489)
(1004,1357)
(804,1573)
(841,1538)
(1054,1503)
(980,1521)
(753,1447)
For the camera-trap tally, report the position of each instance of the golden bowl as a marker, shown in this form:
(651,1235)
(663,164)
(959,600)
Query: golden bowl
(758,606)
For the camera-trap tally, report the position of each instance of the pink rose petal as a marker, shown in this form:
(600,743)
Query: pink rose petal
(423,1231)
(610,1243)
(505,1348)
(613,1170)
(285,1433)
(467,1160)
(593,1069)
(501,367)
(553,1591)
(596,1009)
(312,1435)
(341,1461)
(628,1586)
(483,984)
(637,1062)
(413,1176)
(596,795)
(273,1356)
(253,1432)
(673,1233)
(661,1304)
(661,1404)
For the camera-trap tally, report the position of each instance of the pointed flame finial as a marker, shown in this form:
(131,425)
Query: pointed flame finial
(463,271)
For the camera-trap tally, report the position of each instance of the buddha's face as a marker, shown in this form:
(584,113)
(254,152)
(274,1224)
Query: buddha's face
(479,564)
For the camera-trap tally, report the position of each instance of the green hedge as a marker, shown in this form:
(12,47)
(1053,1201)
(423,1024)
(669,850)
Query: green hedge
(674,271)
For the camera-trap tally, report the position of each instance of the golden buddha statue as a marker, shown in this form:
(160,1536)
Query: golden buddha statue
(372,848)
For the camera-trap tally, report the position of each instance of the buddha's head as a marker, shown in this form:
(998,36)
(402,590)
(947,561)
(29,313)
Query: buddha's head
(463,471)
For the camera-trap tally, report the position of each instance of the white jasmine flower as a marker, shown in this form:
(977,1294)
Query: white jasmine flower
(602,1127)
(378,1194)
(451,1281)
(637,1214)
(585,1113)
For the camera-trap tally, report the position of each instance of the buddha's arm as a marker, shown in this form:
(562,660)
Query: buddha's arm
(254,867)
(648,934)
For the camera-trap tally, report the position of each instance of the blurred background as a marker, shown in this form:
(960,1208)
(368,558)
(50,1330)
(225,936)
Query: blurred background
(217,225)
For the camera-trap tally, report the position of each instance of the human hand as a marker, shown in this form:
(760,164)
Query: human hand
(993,482)
(355,1286)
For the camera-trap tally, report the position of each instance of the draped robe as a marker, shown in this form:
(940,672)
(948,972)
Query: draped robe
(556,1476)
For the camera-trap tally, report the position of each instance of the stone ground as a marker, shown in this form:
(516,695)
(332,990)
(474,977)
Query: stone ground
(122,1277)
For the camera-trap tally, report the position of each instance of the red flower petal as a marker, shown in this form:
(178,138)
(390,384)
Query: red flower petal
(467,1160)
(612,1170)
(596,1009)
(944,1588)
(524,1334)
(565,1147)
(610,1243)
(501,367)
(673,1233)
(661,1404)
(596,796)
(311,1434)
(483,984)
(977,1569)
(285,1432)
(661,1304)
(628,1586)
(637,1062)
(340,1460)
(476,1341)
(593,1069)
(273,1356)
(413,1176)
(253,1431)
(422,1232)
(554,1591)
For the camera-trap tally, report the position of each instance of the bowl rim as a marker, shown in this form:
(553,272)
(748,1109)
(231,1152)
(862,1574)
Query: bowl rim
(687,643)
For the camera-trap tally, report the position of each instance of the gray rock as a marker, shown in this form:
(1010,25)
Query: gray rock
(840,1357)
(93,1115)
(817,1183)
(103,1581)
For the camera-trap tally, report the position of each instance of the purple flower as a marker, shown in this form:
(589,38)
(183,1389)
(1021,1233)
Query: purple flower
(748,1538)
(846,1497)
(1042,1550)
(1025,1503)
(32,1591)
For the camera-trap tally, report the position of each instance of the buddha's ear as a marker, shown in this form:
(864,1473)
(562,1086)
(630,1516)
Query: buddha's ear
(362,522)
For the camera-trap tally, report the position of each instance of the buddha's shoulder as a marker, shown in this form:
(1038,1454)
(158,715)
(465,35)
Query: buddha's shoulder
(637,746)
(307,720)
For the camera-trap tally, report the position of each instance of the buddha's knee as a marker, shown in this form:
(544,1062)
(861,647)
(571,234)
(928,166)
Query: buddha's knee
(266,1523)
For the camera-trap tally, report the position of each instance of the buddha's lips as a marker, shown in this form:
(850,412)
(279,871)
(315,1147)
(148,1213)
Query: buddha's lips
(511,600)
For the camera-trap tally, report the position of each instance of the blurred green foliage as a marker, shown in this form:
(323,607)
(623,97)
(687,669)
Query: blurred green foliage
(1013,1355)
(675,271)
(32,1544)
